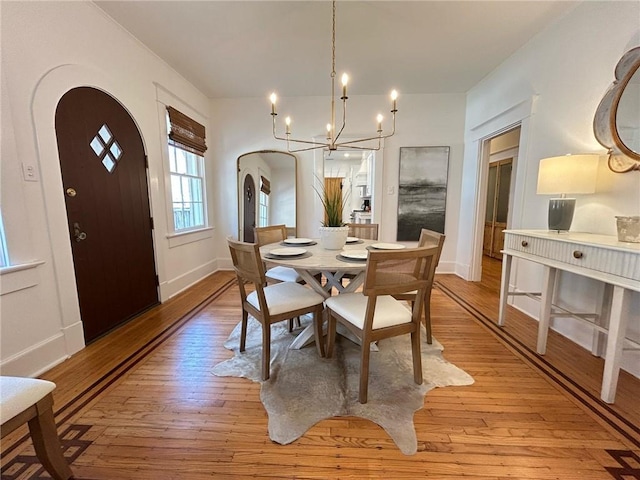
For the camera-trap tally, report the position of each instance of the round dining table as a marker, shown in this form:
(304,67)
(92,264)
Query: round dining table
(315,259)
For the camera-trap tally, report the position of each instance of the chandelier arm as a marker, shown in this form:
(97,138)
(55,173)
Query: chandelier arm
(307,149)
(344,119)
(357,147)
(307,142)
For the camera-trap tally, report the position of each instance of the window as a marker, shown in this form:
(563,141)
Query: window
(263,202)
(186,166)
(4,255)
(187,181)
(263,209)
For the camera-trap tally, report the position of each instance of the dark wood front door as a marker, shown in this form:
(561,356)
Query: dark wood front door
(104,178)
(249,221)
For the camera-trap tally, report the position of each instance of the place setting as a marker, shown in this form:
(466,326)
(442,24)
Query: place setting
(354,240)
(287,253)
(298,241)
(386,246)
(353,256)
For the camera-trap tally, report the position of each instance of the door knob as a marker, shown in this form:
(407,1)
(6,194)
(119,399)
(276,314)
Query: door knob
(78,234)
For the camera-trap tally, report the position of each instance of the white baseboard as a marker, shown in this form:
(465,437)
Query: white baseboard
(37,359)
(176,285)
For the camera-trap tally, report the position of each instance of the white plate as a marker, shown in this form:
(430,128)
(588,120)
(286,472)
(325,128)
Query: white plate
(388,246)
(287,252)
(352,239)
(298,241)
(354,254)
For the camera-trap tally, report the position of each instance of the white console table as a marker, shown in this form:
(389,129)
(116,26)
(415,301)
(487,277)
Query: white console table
(600,257)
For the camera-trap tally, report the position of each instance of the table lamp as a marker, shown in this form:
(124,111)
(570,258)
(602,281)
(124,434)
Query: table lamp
(568,174)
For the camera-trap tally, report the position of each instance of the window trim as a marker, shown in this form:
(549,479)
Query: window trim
(176,238)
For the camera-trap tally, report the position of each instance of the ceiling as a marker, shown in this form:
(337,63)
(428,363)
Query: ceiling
(231,49)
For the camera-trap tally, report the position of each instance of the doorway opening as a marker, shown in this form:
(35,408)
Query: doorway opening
(500,154)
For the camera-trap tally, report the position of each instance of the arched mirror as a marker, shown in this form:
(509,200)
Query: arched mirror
(267,193)
(617,123)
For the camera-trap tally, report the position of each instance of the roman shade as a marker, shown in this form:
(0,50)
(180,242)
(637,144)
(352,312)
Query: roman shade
(265,185)
(186,133)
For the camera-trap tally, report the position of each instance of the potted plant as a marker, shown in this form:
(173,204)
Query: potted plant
(333,232)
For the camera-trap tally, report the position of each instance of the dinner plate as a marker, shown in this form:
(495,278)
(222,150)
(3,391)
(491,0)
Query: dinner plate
(288,252)
(388,246)
(354,254)
(353,239)
(298,241)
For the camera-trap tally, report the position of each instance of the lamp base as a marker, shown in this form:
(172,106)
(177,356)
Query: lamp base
(561,213)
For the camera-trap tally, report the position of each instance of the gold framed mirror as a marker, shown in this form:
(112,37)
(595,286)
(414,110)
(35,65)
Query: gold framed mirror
(616,124)
(267,191)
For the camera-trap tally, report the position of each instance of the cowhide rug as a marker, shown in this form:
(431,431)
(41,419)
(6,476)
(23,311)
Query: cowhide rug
(304,388)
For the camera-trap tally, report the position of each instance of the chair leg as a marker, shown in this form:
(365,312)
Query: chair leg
(266,351)
(417,356)
(331,334)
(290,321)
(318,322)
(46,441)
(365,351)
(427,317)
(243,330)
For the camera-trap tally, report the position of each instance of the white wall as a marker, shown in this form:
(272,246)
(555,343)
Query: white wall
(553,85)
(47,49)
(244,125)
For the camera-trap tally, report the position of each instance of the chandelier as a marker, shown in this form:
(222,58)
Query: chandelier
(332,140)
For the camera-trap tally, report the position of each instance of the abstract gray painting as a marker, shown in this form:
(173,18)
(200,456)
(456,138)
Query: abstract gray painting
(422,190)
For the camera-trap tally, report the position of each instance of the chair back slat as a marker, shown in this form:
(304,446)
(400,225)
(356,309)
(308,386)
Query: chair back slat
(429,238)
(246,261)
(365,231)
(398,271)
(270,234)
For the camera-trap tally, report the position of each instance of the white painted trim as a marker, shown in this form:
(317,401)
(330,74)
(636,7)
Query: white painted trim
(18,277)
(182,238)
(176,285)
(29,362)
(48,92)
(477,136)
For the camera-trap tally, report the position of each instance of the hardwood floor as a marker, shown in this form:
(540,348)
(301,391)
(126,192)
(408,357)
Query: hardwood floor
(141,403)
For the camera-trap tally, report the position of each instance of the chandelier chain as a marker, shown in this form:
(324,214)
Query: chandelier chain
(333,43)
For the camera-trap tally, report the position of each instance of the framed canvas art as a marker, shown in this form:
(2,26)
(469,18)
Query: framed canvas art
(422,190)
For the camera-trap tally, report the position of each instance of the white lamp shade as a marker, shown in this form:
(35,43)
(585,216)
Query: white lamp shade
(568,174)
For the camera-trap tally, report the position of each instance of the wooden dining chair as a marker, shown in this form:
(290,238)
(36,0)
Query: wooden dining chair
(428,238)
(30,400)
(365,231)
(274,234)
(272,303)
(374,314)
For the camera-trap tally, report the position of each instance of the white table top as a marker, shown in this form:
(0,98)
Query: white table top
(320,258)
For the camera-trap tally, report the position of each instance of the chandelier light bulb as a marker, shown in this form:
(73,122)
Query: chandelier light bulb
(379,118)
(329,128)
(394,97)
(273,99)
(345,80)
(287,121)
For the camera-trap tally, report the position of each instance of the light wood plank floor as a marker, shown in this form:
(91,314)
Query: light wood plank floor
(141,403)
